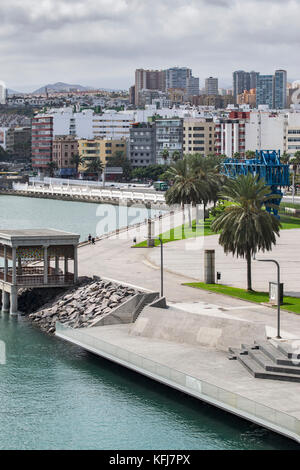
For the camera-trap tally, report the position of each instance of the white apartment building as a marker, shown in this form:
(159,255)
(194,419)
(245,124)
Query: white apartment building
(266,130)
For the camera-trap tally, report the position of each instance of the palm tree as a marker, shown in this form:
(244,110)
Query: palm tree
(52,166)
(176,155)
(76,160)
(285,158)
(295,161)
(94,165)
(245,225)
(185,188)
(207,172)
(249,154)
(165,155)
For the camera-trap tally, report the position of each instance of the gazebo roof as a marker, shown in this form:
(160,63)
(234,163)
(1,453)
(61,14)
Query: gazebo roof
(37,237)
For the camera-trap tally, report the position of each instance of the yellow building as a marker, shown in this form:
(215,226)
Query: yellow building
(104,149)
(198,136)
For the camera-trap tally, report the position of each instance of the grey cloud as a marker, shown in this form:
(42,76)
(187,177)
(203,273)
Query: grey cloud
(113,37)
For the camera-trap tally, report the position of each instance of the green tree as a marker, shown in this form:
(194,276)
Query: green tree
(245,226)
(94,165)
(237,155)
(206,170)
(285,158)
(250,154)
(76,160)
(295,161)
(119,160)
(51,167)
(185,189)
(176,155)
(165,155)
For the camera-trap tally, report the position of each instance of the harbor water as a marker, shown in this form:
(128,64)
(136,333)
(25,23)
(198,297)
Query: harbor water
(54,395)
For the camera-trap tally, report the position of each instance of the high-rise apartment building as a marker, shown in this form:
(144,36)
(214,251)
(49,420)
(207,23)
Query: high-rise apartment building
(253,80)
(41,141)
(271,90)
(280,89)
(241,82)
(176,77)
(211,86)
(169,137)
(192,86)
(18,142)
(198,135)
(142,144)
(149,80)
(230,134)
(264,90)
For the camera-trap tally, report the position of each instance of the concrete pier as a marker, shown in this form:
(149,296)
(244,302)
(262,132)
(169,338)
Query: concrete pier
(204,373)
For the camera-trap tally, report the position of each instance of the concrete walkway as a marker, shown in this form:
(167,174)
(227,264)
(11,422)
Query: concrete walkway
(114,258)
(186,258)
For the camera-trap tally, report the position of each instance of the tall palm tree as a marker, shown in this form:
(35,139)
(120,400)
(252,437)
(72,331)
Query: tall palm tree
(176,155)
(76,160)
(295,161)
(185,188)
(285,158)
(94,165)
(52,167)
(245,225)
(165,155)
(207,172)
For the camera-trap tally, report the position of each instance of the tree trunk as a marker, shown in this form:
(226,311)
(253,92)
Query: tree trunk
(249,274)
(190,218)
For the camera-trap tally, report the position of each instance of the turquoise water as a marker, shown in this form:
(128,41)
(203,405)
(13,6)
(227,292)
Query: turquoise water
(79,217)
(54,395)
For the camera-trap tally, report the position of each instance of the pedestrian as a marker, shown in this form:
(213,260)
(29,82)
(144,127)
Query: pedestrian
(93,241)
(90,238)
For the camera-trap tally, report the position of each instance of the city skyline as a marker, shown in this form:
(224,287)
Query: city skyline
(66,40)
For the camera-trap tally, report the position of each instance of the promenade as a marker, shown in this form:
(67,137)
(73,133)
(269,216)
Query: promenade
(183,260)
(203,372)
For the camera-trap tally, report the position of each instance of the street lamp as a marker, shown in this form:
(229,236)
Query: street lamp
(161,266)
(278,290)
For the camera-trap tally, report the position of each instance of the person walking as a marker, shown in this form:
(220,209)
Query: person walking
(93,241)
(90,238)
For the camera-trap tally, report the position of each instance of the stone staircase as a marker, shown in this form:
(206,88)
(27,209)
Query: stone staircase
(265,361)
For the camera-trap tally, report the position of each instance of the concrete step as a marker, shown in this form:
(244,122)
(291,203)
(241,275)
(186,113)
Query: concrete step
(275,354)
(259,372)
(264,361)
(289,351)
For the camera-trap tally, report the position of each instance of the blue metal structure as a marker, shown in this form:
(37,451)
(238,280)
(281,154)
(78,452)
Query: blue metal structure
(266,165)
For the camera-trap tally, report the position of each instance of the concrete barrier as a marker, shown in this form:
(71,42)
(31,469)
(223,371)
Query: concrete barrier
(214,331)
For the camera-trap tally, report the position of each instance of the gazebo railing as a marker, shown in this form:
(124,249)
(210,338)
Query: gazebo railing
(32,276)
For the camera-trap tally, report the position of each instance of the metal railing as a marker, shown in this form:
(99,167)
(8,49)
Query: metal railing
(35,276)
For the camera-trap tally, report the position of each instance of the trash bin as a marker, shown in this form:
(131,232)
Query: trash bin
(273,293)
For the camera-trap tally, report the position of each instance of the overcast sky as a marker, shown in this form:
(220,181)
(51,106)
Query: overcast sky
(101,42)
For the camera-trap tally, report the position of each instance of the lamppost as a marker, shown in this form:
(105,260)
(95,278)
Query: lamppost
(161,266)
(278,290)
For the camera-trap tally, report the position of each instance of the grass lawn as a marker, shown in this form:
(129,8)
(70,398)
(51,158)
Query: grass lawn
(289,303)
(288,221)
(182,232)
